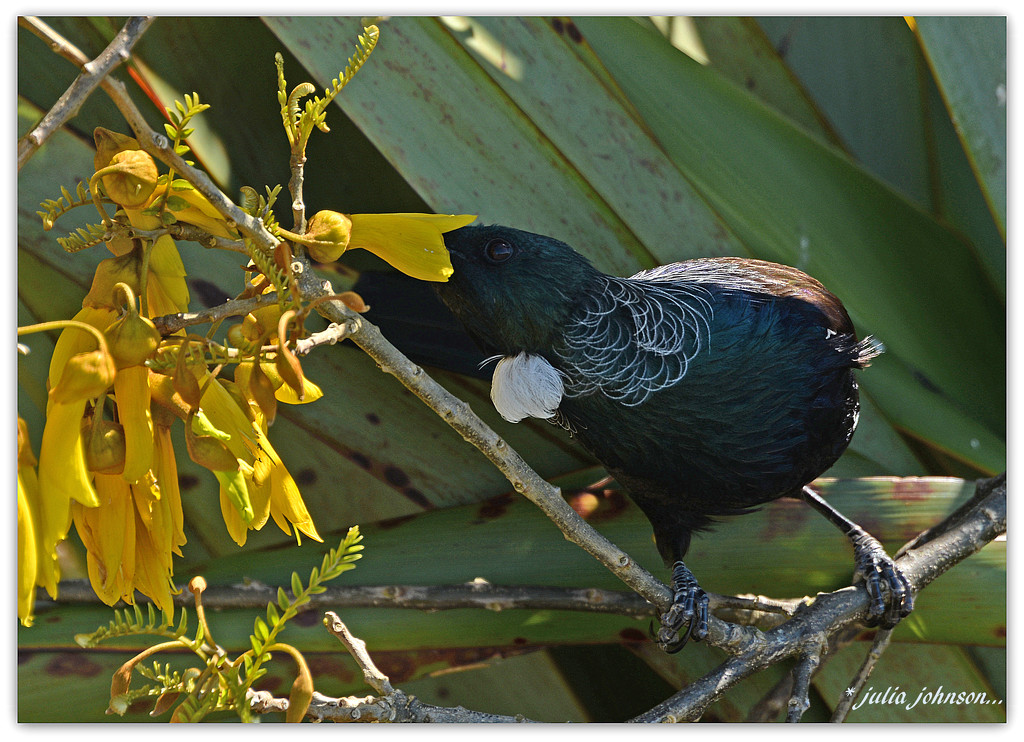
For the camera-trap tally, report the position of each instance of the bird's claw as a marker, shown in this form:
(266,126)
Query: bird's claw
(891,597)
(689,608)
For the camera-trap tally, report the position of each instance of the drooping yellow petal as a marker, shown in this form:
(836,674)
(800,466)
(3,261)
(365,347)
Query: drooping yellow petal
(237,528)
(166,470)
(131,390)
(152,575)
(108,532)
(167,270)
(27,548)
(63,476)
(412,243)
(259,496)
(282,392)
(73,341)
(33,559)
(286,499)
(233,487)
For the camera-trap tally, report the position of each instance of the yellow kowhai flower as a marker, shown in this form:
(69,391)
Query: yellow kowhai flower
(261,470)
(283,392)
(30,556)
(412,243)
(108,532)
(79,373)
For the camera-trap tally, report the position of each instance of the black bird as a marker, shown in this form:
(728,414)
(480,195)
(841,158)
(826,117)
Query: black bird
(706,387)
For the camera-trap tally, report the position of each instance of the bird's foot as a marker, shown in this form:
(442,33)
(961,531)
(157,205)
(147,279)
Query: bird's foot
(891,597)
(689,609)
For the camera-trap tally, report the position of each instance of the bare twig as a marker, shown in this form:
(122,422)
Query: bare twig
(807,663)
(332,334)
(398,708)
(755,611)
(391,705)
(94,74)
(171,323)
(357,648)
(878,646)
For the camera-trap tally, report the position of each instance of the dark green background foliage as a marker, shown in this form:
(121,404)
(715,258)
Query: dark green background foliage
(866,155)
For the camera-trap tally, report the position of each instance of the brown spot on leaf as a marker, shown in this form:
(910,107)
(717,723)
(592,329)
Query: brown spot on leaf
(396,476)
(411,493)
(308,618)
(328,665)
(359,459)
(65,665)
(389,523)
(632,635)
(493,508)
(269,683)
(372,418)
(306,477)
(187,481)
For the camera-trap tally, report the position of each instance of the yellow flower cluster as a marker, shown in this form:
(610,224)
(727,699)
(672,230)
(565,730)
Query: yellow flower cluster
(106,463)
(116,388)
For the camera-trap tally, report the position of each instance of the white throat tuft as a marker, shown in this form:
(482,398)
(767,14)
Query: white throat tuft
(526,385)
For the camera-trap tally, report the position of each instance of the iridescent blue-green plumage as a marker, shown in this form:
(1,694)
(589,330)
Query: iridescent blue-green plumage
(706,387)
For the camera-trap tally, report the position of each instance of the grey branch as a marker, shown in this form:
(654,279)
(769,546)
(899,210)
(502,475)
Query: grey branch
(171,323)
(94,74)
(757,611)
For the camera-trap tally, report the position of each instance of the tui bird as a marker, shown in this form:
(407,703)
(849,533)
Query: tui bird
(705,387)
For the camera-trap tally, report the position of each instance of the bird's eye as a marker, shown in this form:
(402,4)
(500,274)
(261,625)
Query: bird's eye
(498,250)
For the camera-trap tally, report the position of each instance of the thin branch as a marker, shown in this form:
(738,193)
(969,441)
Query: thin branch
(392,705)
(396,708)
(331,335)
(94,74)
(755,611)
(807,664)
(171,323)
(357,648)
(878,646)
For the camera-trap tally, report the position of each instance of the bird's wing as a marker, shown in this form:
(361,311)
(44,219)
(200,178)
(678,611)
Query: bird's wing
(634,337)
(757,279)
